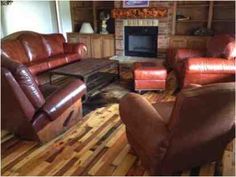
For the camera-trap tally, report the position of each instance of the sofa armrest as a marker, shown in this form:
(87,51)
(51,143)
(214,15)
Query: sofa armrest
(183,54)
(62,99)
(210,66)
(79,48)
(143,121)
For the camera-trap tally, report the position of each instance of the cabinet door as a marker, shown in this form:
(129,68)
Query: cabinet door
(197,42)
(178,42)
(108,46)
(86,40)
(96,46)
(72,37)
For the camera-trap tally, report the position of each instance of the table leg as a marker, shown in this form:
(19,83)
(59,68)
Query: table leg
(118,70)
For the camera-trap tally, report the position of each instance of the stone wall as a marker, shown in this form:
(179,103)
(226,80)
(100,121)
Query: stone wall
(164,28)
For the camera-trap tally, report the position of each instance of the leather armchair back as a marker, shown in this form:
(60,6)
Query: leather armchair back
(201,125)
(22,78)
(222,46)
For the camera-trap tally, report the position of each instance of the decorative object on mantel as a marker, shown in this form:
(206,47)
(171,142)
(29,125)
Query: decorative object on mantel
(133,3)
(104,17)
(6,2)
(86,28)
(202,31)
(152,12)
(182,18)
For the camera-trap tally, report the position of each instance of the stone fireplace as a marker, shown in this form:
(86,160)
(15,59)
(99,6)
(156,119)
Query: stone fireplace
(163,24)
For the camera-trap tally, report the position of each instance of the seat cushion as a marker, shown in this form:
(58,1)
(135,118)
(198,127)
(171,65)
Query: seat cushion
(56,61)
(164,109)
(38,67)
(149,71)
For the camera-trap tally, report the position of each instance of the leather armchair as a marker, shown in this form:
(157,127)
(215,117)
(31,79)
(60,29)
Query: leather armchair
(30,115)
(214,64)
(173,136)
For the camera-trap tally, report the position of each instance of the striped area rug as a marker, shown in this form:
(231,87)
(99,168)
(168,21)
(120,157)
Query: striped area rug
(95,146)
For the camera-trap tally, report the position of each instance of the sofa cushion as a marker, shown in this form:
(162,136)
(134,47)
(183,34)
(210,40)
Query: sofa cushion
(38,67)
(56,61)
(54,44)
(34,46)
(14,49)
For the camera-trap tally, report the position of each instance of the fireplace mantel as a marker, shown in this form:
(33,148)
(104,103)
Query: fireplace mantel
(152,12)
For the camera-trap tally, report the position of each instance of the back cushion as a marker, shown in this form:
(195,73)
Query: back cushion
(54,44)
(34,46)
(218,46)
(15,50)
(25,80)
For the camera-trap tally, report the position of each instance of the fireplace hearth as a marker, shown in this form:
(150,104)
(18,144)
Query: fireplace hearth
(141,41)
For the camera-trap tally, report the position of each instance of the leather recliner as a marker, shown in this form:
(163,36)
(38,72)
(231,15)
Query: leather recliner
(214,64)
(173,136)
(30,115)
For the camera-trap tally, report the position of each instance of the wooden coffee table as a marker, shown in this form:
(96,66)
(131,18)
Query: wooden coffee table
(96,73)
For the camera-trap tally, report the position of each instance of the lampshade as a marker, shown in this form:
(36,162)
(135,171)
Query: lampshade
(86,28)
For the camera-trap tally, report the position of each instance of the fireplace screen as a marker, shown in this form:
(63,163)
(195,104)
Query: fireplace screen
(141,41)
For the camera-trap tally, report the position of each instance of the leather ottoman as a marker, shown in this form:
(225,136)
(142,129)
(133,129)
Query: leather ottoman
(149,76)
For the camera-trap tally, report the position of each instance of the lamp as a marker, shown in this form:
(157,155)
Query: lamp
(86,28)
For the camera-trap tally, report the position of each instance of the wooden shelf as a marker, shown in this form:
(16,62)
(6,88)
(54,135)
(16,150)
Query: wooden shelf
(225,21)
(193,6)
(214,15)
(191,21)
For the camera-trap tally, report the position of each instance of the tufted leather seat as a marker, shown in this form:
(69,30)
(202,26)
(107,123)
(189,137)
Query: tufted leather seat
(30,115)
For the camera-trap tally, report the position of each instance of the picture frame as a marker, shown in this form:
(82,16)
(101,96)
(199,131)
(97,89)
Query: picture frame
(135,3)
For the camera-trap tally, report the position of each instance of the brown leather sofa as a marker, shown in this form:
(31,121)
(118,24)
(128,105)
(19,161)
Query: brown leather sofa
(41,52)
(173,136)
(25,110)
(214,64)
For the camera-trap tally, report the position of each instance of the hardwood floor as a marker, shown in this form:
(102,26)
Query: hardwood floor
(95,146)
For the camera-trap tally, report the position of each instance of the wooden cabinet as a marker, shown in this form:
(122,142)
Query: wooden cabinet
(99,45)
(193,42)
